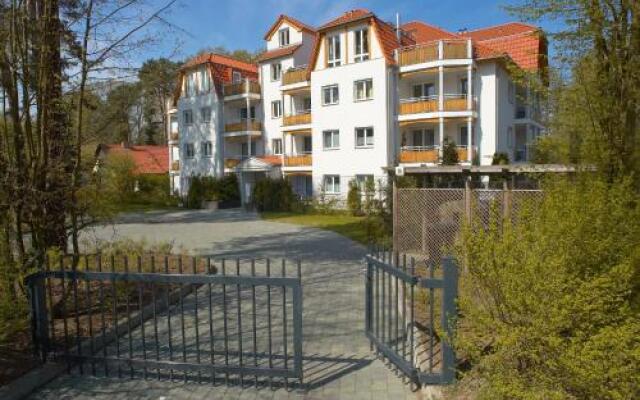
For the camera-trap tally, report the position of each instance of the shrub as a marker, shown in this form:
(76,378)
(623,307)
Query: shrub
(208,188)
(500,159)
(449,152)
(119,177)
(550,304)
(273,195)
(354,198)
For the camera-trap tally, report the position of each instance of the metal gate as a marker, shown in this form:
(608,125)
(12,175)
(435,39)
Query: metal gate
(225,320)
(410,314)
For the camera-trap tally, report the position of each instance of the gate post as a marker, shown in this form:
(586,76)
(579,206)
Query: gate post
(39,317)
(368,300)
(449,315)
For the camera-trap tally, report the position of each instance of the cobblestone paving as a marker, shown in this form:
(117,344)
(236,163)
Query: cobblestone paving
(337,361)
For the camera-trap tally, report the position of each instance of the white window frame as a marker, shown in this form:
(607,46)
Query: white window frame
(361,180)
(276,71)
(190,84)
(331,184)
(367,134)
(189,151)
(205,81)
(236,77)
(424,93)
(334,95)
(368,89)
(334,139)
(361,36)
(462,128)
(282,35)
(334,51)
(423,137)
(204,116)
(207,148)
(187,116)
(250,113)
(276,146)
(276,109)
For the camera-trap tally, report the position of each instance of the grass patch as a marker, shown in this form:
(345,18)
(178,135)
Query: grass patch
(347,225)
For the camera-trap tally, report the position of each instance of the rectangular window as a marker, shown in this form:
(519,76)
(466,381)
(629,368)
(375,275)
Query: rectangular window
(363,90)
(333,51)
(207,148)
(189,150)
(283,37)
(205,82)
(307,103)
(276,109)
(331,139)
(332,184)
(190,84)
(361,52)
(307,145)
(464,87)
(276,146)
(364,137)
(423,138)
(205,114)
(330,95)
(243,113)
(244,150)
(464,136)
(276,71)
(426,91)
(237,77)
(361,180)
(187,115)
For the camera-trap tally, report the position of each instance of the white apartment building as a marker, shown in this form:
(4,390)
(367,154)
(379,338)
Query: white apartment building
(357,97)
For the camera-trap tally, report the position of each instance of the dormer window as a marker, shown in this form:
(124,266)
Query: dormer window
(237,77)
(205,82)
(283,37)
(333,51)
(361,51)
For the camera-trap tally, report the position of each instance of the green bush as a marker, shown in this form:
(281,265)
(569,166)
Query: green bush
(354,198)
(500,159)
(550,305)
(207,188)
(449,152)
(273,195)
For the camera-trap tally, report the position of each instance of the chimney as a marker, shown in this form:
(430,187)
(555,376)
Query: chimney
(398,26)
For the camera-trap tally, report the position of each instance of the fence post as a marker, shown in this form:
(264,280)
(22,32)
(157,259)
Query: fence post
(467,198)
(395,216)
(448,317)
(368,300)
(39,317)
(506,203)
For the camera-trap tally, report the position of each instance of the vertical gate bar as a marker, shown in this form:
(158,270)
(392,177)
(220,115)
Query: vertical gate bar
(383,304)
(253,310)
(141,316)
(102,320)
(168,305)
(367,305)
(195,317)
(74,264)
(391,312)
(182,331)
(431,324)
(224,326)
(239,321)
(284,322)
(47,266)
(269,344)
(114,296)
(90,315)
(211,341)
(154,297)
(64,315)
(449,294)
(411,313)
(396,307)
(128,308)
(297,326)
(376,302)
(404,312)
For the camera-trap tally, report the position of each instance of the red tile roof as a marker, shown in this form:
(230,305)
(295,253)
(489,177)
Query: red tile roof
(148,159)
(292,21)
(423,32)
(500,31)
(349,16)
(527,50)
(388,39)
(214,58)
(273,160)
(280,52)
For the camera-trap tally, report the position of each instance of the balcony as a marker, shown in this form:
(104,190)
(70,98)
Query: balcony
(302,118)
(452,102)
(444,50)
(296,75)
(174,136)
(232,162)
(240,88)
(419,154)
(297,161)
(243,126)
(175,166)
(463,152)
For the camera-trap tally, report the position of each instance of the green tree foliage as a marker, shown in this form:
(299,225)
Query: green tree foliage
(208,188)
(449,152)
(550,304)
(354,198)
(274,195)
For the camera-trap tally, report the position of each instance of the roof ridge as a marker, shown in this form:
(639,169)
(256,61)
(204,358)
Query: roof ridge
(417,21)
(533,27)
(503,37)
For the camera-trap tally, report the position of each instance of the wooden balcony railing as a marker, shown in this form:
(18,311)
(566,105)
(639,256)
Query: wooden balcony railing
(175,165)
(243,126)
(174,136)
(297,161)
(294,76)
(418,54)
(454,50)
(463,153)
(456,103)
(419,106)
(419,156)
(233,89)
(298,119)
(232,162)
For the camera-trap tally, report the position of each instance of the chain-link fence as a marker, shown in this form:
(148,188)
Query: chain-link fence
(428,221)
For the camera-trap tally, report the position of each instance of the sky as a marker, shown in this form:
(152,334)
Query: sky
(241,24)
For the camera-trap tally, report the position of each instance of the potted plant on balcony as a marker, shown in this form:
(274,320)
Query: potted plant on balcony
(449,152)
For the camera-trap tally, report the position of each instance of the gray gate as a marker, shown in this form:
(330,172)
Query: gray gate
(410,315)
(224,320)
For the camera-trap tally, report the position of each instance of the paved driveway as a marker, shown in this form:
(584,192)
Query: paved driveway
(338,362)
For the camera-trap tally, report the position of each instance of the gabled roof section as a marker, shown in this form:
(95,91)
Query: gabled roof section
(422,32)
(500,31)
(300,26)
(215,58)
(147,159)
(279,52)
(388,40)
(349,16)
